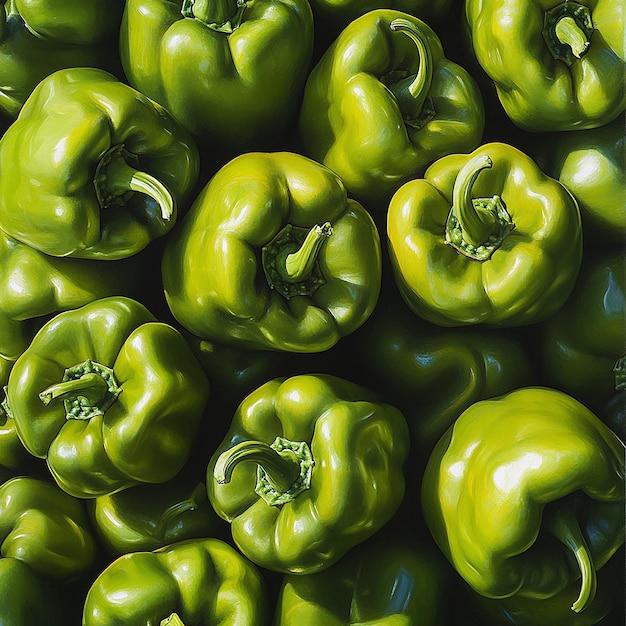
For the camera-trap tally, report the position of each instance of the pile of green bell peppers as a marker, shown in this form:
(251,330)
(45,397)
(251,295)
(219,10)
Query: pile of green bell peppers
(312,313)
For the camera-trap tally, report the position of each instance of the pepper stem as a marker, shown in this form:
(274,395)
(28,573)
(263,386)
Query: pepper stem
(116,180)
(172,620)
(222,16)
(284,467)
(569,33)
(87,390)
(189,504)
(290,260)
(619,371)
(412,92)
(476,227)
(564,526)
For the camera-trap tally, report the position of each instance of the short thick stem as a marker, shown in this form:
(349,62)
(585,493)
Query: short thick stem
(116,180)
(172,620)
(299,264)
(219,15)
(564,526)
(412,92)
(567,31)
(570,34)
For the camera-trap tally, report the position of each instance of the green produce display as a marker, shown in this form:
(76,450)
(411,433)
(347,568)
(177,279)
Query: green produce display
(109,396)
(506,240)
(384,102)
(202,581)
(108,169)
(312,312)
(299,269)
(284,475)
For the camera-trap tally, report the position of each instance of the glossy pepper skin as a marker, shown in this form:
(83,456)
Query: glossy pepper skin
(273,255)
(45,528)
(148,517)
(311,466)
(556,65)
(109,396)
(230,71)
(384,102)
(590,163)
(581,345)
(525,494)
(395,581)
(198,582)
(432,374)
(485,238)
(107,170)
(39,37)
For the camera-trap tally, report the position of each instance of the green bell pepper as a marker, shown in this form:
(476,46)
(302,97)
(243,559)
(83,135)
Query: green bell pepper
(230,71)
(580,345)
(556,65)
(27,598)
(38,37)
(311,466)
(148,517)
(273,255)
(590,163)
(525,494)
(45,528)
(384,102)
(485,238)
(109,396)
(392,580)
(198,582)
(97,170)
(433,374)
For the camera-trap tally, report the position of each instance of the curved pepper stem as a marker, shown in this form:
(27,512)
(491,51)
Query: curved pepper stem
(116,180)
(412,92)
(284,467)
(222,16)
(290,260)
(569,33)
(87,390)
(172,620)
(189,504)
(476,227)
(564,526)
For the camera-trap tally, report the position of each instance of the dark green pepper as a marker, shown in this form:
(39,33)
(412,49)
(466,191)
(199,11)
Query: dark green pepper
(98,170)
(109,396)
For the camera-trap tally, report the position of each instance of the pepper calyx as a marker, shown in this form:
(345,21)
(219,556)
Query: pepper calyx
(87,390)
(567,31)
(619,371)
(118,178)
(476,227)
(290,260)
(217,15)
(284,467)
(5,409)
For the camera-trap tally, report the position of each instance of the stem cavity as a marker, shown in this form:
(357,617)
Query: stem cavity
(291,259)
(284,467)
(221,16)
(476,227)
(117,179)
(413,92)
(87,390)
(567,31)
